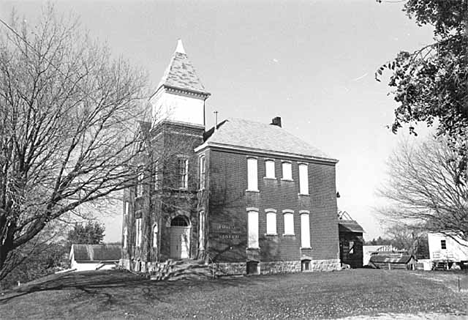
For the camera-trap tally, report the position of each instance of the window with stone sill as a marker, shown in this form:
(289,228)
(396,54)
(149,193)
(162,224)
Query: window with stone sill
(271,222)
(303,179)
(305,230)
(270,169)
(252,174)
(287,170)
(252,224)
(288,222)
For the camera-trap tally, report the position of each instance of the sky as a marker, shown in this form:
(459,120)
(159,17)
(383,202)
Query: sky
(310,62)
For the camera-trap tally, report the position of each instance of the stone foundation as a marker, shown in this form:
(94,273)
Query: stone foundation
(280,266)
(160,270)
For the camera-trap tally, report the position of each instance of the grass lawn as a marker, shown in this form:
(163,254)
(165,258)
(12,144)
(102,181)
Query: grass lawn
(361,292)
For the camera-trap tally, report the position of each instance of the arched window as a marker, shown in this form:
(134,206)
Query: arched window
(202,172)
(179,221)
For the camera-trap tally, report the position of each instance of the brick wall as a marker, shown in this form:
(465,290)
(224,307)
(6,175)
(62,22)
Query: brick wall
(229,199)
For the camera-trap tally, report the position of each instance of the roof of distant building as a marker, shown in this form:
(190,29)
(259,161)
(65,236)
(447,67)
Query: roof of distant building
(180,73)
(95,252)
(260,137)
(349,226)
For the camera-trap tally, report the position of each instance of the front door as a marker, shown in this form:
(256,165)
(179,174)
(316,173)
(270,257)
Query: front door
(180,238)
(180,242)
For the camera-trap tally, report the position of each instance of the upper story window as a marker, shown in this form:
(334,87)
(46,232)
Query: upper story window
(303,179)
(270,169)
(287,170)
(182,173)
(271,221)
(252,174)
(157,178)
(202,171)
(288,222)
(443,244)
(139,189)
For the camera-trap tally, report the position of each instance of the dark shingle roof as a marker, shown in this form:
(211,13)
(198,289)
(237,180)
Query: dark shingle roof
(396,259)
(256,136)
(180,74)
(96,252)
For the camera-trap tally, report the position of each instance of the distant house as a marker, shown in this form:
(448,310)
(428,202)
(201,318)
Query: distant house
(392,260)
(85,257)
(368,251)
(351,240)
(445,250)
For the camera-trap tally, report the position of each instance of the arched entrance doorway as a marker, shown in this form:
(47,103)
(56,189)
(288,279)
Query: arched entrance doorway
(180,238)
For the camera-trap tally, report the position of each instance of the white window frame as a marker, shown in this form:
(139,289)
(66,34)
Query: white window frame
(155,235)
(286,170)
(202,173)
(139,187)
(201,236)
(270,169)
(288,217)
(252,174)
(305,229)
(253,232)
(303,178)
(138,232)
(182,173)
(125,237)
(271,224)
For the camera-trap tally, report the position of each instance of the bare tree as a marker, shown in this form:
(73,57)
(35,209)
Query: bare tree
(427,188)
(67,120)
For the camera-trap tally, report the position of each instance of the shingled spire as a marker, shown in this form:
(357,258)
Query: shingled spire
(180,73)
(180,95)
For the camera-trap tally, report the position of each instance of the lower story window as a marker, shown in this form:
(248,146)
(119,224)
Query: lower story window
(253,229)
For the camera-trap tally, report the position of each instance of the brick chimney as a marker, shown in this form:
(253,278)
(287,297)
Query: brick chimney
(276,121)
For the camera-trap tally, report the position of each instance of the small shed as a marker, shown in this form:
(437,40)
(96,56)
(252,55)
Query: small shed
(393,260)
(85,257)
(351,240)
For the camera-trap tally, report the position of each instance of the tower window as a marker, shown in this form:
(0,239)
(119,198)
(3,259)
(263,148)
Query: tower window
(182,169)
(202,172)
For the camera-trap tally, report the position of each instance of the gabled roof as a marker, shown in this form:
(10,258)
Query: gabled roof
(95,252)
(180,73)
(260,137)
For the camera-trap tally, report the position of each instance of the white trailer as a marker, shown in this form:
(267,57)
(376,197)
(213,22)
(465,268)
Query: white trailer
(444,251)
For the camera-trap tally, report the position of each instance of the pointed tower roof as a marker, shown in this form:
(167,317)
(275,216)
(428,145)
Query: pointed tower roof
(180,74)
